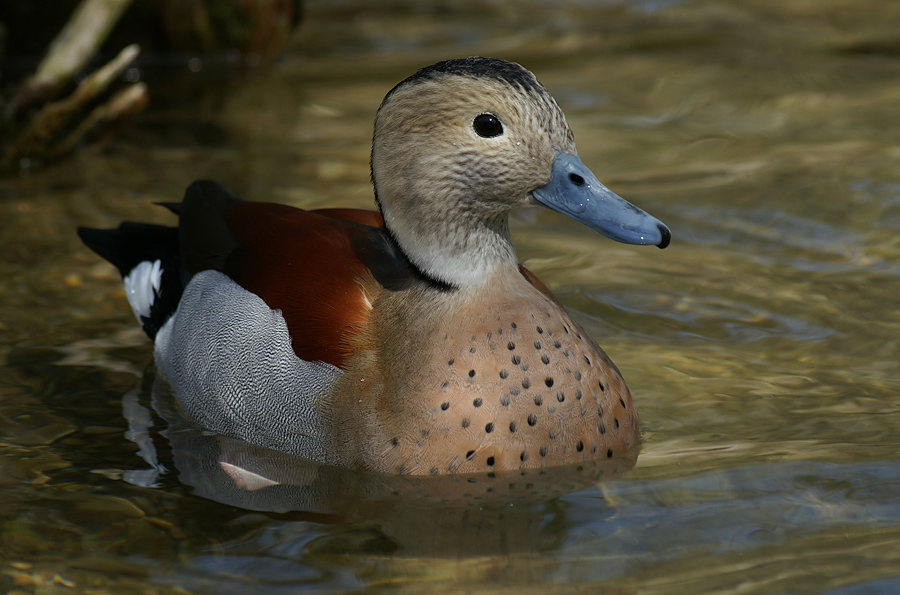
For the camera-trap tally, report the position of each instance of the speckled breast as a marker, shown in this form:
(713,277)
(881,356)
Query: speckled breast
(520,388)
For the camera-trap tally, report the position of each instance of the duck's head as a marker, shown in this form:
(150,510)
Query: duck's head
(460,144)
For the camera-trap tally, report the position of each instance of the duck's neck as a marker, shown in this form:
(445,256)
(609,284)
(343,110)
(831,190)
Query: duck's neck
(458,249)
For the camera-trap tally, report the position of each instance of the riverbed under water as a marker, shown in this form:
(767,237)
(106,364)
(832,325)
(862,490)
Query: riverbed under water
(762,347)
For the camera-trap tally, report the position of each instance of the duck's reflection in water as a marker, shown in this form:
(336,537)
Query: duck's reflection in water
(442,516)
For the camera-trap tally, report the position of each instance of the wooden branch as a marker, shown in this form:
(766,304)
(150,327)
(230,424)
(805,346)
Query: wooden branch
(50,120)
(98,128)
(70,52)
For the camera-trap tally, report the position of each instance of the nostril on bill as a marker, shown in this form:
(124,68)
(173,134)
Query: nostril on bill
(576,179)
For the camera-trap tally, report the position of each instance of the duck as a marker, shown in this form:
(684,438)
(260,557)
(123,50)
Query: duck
(408,340)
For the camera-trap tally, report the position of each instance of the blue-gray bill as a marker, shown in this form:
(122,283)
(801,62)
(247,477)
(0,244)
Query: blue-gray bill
(575,191)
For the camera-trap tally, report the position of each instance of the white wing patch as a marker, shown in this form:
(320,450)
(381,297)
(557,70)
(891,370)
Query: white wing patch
(142,287)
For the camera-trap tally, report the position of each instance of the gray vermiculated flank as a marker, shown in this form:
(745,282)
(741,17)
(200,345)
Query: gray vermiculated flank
(229,361)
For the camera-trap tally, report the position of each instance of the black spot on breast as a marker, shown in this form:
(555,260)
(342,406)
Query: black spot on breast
(504,400)
(504,374)
(602,428)
(524,366)
(524,456)
(616,423)
(465,422)
(445,406)
(395,441)
(471,373)
(609,454)
(526,383)
(538,400)
(470,455)
(539,330)
(577,375)
(516,360)
(532,419)
(510,345)
(578,394)
(545,358)
(603,388)
(548,381)
(579,446)
(513,426)
(543,450)
(450,363)
(513,325)
(445,385)
(537,344)
(472,350)
(600,410)
(587,360)
(434,471)
(514,391)
(552,435)
(490,461)
(477,402)
(621,400)
(489,335)
(560,396)
(489,427)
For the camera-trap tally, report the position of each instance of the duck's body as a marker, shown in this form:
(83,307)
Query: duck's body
(500,378)
(413,343)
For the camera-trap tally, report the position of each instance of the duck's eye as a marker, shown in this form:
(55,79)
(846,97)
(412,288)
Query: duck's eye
(487,125)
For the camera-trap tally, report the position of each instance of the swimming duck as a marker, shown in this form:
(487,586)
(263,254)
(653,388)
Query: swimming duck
(405,341)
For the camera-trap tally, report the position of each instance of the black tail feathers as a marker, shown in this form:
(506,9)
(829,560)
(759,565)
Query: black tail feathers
(148,258)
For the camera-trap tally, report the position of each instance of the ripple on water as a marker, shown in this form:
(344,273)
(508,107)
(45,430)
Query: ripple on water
(883,197)
(775,236)
(749,507)
(681,317)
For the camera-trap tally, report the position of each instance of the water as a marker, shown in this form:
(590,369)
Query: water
(762,347)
